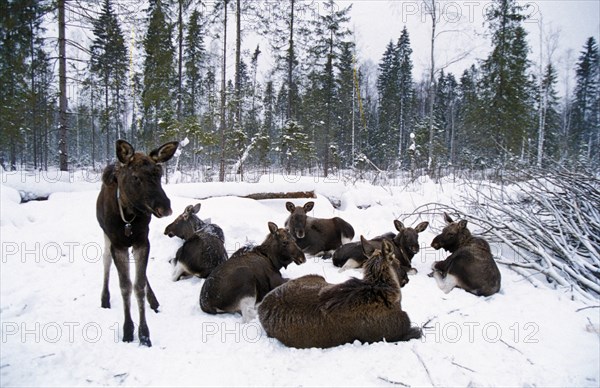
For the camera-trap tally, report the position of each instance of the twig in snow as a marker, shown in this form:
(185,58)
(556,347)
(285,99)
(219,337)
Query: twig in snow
(515,349)
(392,381)
(592,327)
(46,355)
(424,366)
(460,366)
(585,308)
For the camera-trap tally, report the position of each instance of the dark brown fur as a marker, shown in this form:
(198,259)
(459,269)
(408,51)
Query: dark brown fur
(470,266)
(316,235)
(135,179)
(203,249)
(406,246)
(309,312)
(243,280)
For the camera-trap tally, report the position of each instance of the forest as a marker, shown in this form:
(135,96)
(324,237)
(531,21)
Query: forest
(319,110)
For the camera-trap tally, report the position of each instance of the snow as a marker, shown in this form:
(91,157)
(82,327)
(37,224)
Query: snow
(54,331)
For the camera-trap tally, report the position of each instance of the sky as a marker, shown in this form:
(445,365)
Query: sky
(376,22)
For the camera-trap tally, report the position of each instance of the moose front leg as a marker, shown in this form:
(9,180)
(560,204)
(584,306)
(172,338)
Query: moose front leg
(107,261)
(140,254)
(121,257)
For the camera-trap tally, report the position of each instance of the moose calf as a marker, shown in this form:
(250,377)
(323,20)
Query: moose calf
(309,312)
(406,246)
(203,249)
(131,193)
(317,236)
(470,265)
(241,282)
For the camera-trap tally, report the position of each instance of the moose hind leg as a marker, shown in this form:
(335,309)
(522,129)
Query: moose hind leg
(107,261)
(141,282)
(122,264)
(151,297)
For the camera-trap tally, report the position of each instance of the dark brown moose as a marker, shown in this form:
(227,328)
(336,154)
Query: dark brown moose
(309,312)
(317,236)
(203,249)
(406,246)
(241,282)
(131,193)
(470,265)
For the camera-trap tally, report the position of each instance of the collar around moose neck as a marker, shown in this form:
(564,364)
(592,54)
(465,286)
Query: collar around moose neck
(128,230)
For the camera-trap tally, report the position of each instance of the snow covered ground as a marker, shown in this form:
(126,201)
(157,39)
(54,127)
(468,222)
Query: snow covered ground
(54,332)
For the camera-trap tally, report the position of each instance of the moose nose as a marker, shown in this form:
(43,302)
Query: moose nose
(162,212)
(435,245)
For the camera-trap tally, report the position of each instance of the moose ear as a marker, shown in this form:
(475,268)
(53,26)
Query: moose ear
(367,247)
(164,152)
(422,226)
(448,219)
(125,151)
(196,208)
(399,225)
(188,209)
(290,206)
(273,227)
(308,206)
(462,224)
(387,249)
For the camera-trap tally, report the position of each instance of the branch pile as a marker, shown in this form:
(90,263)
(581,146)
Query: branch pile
(551,220)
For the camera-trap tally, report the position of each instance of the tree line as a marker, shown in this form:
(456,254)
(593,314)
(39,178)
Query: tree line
(318,108)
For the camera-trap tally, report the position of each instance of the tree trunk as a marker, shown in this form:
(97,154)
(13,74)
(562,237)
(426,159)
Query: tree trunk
(238,56)
(290,61)
(432,86)
(222,124)
(179,69)
(62,75)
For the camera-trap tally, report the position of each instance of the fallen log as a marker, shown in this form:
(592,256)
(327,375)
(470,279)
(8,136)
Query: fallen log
(288,195)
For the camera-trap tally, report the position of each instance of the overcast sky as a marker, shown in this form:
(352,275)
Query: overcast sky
(375,22)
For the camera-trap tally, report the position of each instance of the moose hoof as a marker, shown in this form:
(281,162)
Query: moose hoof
(105,304)
(145,341)
(430,274)
(128,338)
(155,308)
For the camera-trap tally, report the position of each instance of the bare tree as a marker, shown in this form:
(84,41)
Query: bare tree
(62,74)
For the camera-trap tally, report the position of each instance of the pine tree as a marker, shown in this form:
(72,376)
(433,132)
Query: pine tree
(159,75)
(584,137)
(330,33)
(109,63)
(194,62)
(505,87)
(469,137)
(387,87)
(345,102)
(551,120)
(405,93)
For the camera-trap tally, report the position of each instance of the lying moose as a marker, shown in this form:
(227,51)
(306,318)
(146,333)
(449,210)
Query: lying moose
(406,246)
(203,249)
(317,236)
(470,265)
(241,282)
(309,312)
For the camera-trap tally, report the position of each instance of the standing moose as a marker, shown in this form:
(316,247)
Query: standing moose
(470,266)
(317,236)
(131,193)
